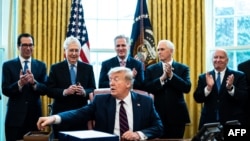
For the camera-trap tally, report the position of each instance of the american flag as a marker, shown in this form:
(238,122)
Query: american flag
(77,28)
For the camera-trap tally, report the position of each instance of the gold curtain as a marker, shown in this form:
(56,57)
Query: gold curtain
(47,21)
(182,21)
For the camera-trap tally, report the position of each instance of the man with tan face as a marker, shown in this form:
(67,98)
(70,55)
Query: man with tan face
(169,80)
(70,83)
(222,91)
(122,47)
(23,82)
(142,118)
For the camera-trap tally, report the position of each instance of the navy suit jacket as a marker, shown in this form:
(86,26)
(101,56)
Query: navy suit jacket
(229,107)
(27,100)
(245,67)
(103,108)
(169,98)
(59,79)
(114,62)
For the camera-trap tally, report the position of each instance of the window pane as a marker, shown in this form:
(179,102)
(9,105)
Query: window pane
(224,32)
(243,27)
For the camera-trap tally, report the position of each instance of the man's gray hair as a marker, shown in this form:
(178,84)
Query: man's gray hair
(168,43)
(128,73)
(69,40)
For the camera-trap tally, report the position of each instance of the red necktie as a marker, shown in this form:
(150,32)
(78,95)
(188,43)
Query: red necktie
(123,119)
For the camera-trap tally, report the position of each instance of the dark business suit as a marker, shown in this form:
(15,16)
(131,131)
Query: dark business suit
(169,99)
(59,79)
(229,107)
(24,107)
(245,67)
(103,109)
(114,62)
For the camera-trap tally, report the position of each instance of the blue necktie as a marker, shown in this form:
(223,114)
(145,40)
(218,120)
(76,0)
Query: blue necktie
(25,66)
(218,82)
(72,74)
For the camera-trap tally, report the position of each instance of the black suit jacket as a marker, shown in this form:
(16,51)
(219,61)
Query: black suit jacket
(245,67)
(114,62)
(103,108)
(59,79)
(169,98)
(20,103)
(229,107)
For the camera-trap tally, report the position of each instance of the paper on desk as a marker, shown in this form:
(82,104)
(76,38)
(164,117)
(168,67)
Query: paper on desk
(87,134)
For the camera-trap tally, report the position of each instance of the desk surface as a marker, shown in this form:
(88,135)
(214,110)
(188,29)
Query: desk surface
(170,140)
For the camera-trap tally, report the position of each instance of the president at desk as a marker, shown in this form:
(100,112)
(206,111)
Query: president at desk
(141,118)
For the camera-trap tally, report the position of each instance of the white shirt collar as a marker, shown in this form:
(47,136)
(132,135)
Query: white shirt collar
(127,99)
(125,59)
(22,59)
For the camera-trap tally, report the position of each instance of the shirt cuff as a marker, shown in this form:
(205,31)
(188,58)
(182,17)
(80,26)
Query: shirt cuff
(19,85)
(142,135)
(231,92)
(206,92)
(57,119)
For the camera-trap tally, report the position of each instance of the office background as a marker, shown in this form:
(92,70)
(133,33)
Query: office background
(196,27)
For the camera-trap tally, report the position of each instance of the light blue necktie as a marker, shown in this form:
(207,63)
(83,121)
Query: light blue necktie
(72,74)
(218,82)
(25,66)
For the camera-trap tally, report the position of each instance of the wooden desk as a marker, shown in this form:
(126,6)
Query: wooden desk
(170,140)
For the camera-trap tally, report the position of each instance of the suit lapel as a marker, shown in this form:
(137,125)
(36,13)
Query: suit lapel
(111,113)
(136,111)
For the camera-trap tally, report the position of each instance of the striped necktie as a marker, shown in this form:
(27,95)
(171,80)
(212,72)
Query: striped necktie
(123,119)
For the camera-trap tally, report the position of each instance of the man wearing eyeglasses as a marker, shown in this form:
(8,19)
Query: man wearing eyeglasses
(23,82)
(122,47)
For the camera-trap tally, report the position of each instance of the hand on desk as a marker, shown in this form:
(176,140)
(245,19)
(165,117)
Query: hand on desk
(45,121)
(130,136)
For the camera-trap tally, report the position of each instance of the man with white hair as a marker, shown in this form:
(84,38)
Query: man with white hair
(70,82)
(222,91)
(169,80)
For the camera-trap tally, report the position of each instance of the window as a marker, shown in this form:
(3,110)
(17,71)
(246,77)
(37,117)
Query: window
(104,20)
(230,24)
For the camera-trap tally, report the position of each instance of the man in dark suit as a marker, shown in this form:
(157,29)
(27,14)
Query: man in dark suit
(70,92)
(122,48)
(23,82)
(222,91)
(168,80)
(245,67)
(143,120)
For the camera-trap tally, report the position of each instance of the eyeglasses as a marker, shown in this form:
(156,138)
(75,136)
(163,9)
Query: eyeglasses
(27,45)
(121,45)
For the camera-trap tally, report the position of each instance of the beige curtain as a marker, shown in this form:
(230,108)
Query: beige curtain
(182,21)
(47,21)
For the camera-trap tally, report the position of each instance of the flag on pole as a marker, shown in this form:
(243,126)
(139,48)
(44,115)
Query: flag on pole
(77,28)
(142,39)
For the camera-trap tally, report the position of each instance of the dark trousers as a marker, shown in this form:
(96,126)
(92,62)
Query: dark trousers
(173,132)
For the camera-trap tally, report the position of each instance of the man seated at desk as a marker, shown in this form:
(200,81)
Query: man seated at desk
(141,121)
